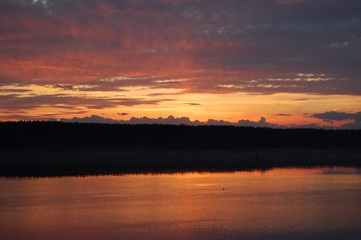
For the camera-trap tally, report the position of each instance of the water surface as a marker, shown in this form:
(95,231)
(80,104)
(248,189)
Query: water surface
(318,203)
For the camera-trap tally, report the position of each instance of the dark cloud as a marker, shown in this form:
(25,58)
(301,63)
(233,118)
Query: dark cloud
(261,123)
(23,117)
(338,116)
(11,111)
(45,117)
(252,46)
(332,116)
(64,86)
(13,101)
(328,121)
(354,125)
(123,114)
(303,99)
(283,115)
(14,90)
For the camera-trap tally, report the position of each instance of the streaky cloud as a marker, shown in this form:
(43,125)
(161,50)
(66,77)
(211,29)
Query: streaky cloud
(250,46)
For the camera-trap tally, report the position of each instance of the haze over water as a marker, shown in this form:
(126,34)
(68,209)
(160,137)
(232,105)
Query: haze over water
(318,203)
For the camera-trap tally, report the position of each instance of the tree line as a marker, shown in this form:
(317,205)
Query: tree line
(59,135)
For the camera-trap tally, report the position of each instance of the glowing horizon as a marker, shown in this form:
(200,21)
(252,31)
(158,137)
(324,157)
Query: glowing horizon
(293,62)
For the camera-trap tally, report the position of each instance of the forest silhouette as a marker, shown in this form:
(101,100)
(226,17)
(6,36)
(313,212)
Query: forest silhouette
(38,134)
(39,148)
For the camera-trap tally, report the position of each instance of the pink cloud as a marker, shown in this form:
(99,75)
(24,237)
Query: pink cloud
(210,43)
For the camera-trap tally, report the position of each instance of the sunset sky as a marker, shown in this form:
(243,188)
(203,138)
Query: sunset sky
(292,62)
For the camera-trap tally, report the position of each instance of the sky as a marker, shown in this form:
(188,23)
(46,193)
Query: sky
(280,62)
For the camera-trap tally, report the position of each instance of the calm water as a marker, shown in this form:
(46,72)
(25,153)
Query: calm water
(277,204)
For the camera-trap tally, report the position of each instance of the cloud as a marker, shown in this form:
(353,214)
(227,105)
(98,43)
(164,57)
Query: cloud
(133,120)
(91,119)
(14,101)
(355,125)
(174,121)
(245,123)
(292,1)
(332,116)
(328,121)
(338,116)
(123,114)
(304,99)
(14,90)
(218,46)
(169,120)
(110,53)
(261,123)
(283,115)
(46,117)
(210,122)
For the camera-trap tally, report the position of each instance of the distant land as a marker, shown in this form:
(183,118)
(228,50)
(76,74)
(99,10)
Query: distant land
(328,117)
(58,148)
(58,135)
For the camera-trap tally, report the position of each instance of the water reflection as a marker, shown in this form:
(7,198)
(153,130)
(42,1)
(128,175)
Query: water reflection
(275,204)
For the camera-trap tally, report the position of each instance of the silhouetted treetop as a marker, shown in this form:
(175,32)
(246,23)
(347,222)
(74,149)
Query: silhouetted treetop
(37,134)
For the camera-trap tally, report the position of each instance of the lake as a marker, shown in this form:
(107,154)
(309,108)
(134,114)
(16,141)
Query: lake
(315,203)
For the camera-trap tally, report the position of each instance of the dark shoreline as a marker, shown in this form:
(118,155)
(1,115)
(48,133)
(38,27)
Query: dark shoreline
(64,149)
(48,162)
(58,135)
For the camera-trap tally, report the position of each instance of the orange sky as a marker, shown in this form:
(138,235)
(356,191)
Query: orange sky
(291,62)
